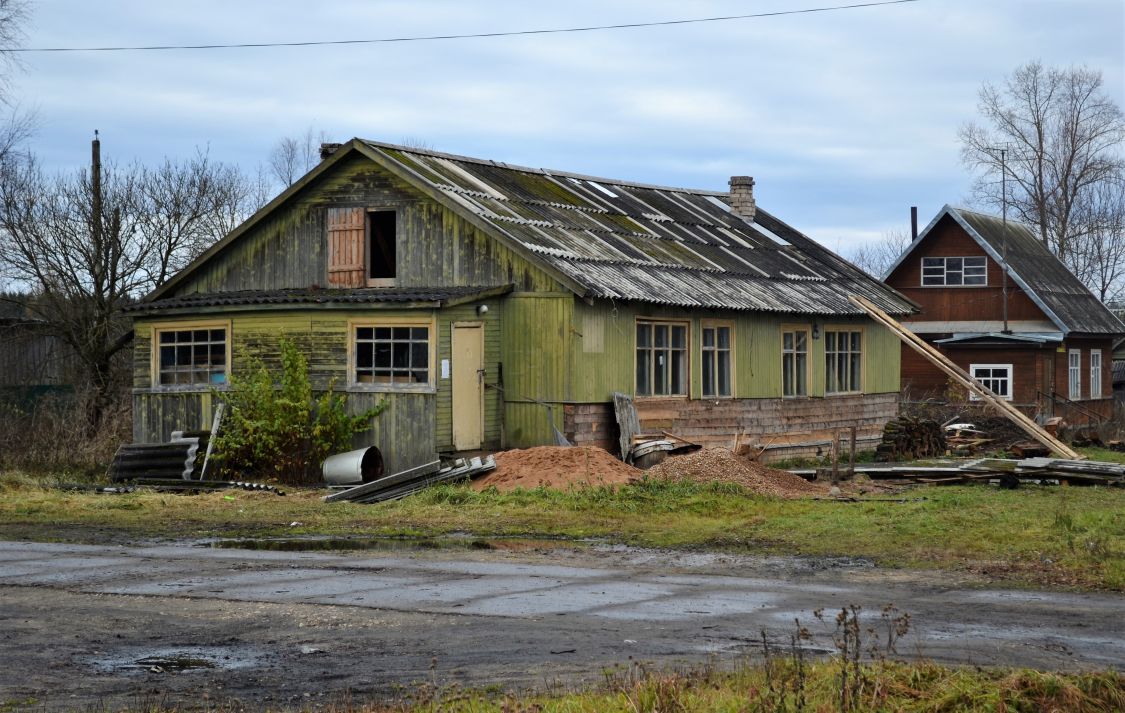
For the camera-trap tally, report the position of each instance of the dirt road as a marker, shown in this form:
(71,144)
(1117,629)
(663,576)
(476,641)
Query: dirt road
(87,624)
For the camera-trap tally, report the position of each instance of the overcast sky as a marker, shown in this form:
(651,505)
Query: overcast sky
(844,118)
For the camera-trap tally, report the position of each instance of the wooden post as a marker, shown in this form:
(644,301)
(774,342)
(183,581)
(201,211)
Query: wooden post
(962,377)
(851,456)
(835,457)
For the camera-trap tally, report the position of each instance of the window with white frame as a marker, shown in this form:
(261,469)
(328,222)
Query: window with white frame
(843,361)
(392,355)
(715,355)
(1074,374)
(662,358)
(997,377)
(795,362)
(954,271)
(191,357)
(1095,373)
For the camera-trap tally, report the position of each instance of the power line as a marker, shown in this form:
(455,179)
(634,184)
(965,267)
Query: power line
(478,35)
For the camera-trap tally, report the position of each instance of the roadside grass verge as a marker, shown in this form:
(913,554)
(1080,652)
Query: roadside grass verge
(1054,536)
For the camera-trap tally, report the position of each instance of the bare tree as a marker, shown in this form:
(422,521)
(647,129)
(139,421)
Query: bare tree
(17,125)
(1062,137)
(876,257)
(88,243)
(294,156)
(1098,254)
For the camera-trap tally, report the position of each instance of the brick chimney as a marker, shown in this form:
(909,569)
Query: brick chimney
(742,197)
(327,149)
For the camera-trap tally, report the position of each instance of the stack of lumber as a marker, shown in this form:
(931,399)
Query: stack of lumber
(1006,472)
(909,438)
(408,482)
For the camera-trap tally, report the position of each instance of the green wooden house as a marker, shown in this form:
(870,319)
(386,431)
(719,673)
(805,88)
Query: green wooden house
(492,304)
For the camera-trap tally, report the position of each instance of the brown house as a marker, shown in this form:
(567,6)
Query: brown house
(1036,336)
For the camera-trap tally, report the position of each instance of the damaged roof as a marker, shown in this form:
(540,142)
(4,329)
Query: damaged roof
(606,238)
(631,241)
(1041,275)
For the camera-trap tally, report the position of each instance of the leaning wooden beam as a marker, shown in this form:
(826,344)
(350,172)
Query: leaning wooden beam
(962,377)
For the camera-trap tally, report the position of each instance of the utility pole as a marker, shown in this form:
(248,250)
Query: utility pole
(1004,234)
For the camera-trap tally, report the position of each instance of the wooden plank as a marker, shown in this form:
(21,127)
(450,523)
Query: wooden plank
(962,377)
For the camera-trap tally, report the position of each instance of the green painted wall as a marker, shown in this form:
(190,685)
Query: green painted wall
(603,350)
(535,339)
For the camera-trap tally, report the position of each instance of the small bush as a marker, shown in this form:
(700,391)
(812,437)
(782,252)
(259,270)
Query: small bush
(280,430)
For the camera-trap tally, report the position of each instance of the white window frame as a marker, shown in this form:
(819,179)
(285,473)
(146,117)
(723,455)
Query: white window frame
(941,269)
(790,361)
(1074,374)
(1095,373)
(987,382)
(354,384)
(833,356)
(711,354)
(165,327)
(652,353)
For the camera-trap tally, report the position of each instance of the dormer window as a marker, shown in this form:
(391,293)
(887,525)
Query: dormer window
(954,272)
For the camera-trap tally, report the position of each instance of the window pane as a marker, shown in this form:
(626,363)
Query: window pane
(363,355)
(856,379)
(787,341)
(218,335)
(401,355)
(724,373)
(167,356)
(724,337)
(218,355)
(200,354)
(200,335)
(679,373)
(800,374)
(382,354)
(679,337)
(932,262)
(382,332)
(420,333)
(830,341)
(787,385)
(167,337)
(644,335)
(363,333)
(855,341)
(419,355)
(708,373)
(660,335)
(660,373)
(708,337)
(644,381)
(183,355)
(953,264)
(401,333)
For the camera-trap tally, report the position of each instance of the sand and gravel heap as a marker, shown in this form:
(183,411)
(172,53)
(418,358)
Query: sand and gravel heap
(719,465)
(557,467)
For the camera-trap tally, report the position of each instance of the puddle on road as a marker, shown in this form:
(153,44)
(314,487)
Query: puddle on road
(174,659)
(341,544)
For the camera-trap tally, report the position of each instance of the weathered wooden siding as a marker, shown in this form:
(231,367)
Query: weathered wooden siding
(535,342)
(412,428)
(492,394)
(31,357)
(434,247)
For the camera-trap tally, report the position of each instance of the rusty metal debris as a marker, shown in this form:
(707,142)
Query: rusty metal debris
(410,481)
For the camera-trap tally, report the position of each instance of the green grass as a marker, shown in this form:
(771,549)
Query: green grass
(1057,536)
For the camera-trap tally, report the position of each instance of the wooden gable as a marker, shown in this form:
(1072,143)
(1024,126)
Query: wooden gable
(952,304)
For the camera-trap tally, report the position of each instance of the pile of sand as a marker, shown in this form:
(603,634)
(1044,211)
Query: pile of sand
(556,467)
(719,465)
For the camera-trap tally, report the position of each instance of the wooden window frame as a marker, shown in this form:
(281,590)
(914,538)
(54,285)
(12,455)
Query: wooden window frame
(714,350)
(409,388)
(824,332)
(1074,375)
(945,270)
(807,329)
(1011,378)
(1096,375)
(378,281)
(687,349)
(155,330)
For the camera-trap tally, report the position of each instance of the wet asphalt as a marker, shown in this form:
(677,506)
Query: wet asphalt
(269,626)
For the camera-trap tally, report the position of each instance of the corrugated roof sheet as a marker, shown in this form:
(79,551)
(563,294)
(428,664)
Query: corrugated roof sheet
(654,244)
(371,295)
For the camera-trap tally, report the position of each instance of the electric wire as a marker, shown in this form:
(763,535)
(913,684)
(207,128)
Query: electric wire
(467,36)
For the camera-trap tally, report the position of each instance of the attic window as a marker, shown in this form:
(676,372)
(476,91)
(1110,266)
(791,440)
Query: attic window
(381,248)
(954,272)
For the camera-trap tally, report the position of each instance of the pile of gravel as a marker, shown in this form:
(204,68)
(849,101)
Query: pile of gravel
(719,465)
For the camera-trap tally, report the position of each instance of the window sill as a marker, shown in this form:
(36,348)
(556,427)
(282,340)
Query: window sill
(391,389)
(676,397)
(833,394)
(183,389)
